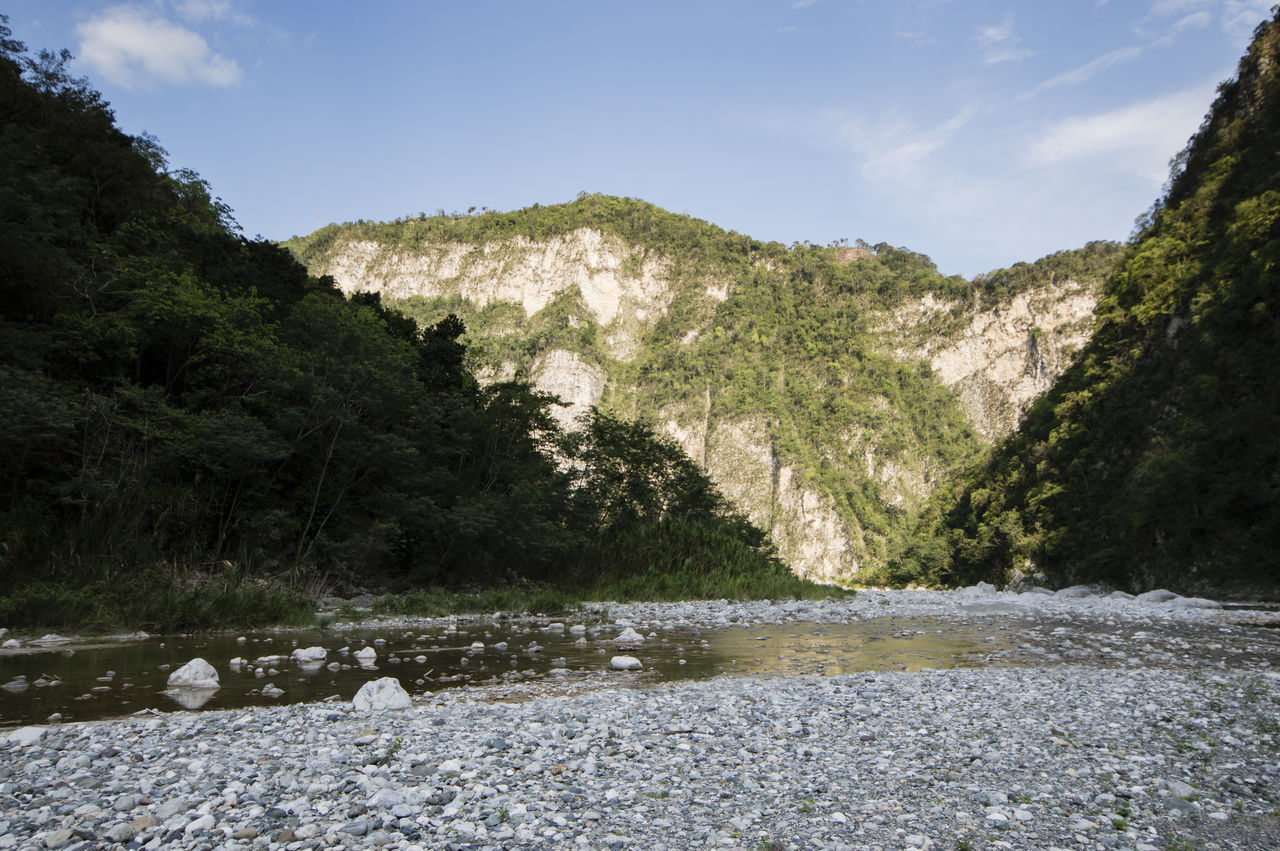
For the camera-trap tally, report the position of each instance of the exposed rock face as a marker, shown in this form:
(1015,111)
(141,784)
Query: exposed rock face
(619,284)
(810,534)
(566,375)
(1005,355)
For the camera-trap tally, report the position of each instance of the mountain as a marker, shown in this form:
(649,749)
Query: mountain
(1155,458)
(826,389)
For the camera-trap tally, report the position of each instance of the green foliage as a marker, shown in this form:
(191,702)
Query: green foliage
(534,598)
(194,432)
(1153,460)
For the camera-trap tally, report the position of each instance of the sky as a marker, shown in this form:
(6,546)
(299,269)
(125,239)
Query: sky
(978,132)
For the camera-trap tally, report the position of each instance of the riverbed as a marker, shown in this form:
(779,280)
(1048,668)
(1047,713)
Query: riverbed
(930,721)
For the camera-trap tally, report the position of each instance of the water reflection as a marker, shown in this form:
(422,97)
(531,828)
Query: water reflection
(191,698)
(286,667)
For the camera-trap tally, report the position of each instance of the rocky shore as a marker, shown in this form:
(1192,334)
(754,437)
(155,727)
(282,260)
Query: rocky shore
(1088,752)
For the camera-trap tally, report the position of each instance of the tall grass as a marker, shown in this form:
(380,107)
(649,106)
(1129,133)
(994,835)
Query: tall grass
(518,598)
(156,599)
(674,559)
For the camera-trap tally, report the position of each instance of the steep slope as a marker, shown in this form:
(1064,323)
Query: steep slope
(799,377)
(1155,459)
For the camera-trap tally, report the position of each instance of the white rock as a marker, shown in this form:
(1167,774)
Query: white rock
(366,656)
(195,674)
(1178,789)
(629,636)
(380,695)
(310,654)
(1159,595)
(11,643)
(1195,603)
(1076,592)
(625,663)
(270,690)
(204,822)
(25,735)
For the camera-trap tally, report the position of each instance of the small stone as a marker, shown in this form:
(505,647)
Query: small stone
(121,833)
(60,838)
(625,663)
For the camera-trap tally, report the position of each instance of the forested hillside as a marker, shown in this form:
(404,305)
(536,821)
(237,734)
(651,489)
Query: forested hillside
(194,431)
(1155,459)
(826,389)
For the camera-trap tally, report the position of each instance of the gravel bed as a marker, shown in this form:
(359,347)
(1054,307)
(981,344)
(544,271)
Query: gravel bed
(1079,602)
(1062,755)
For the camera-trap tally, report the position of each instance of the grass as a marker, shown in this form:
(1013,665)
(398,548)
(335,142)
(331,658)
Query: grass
(690,560)
(667,561)
(437,602)
(158,599)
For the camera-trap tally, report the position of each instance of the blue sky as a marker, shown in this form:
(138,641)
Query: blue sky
(979,133)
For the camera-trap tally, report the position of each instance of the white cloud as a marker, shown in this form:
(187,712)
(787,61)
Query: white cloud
(1079,75)
(1240,17)
(199,11)
(1137,140)
(1236,17)
(999,42)
(895,151)
(1177,7)
(131,47)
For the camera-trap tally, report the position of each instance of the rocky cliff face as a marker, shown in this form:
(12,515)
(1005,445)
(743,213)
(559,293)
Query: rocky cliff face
(620,286)
(996,358)
(999,358)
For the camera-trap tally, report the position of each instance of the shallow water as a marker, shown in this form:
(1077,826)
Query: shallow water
(108,679)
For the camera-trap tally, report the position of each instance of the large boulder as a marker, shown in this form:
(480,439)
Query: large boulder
(310,654)
(195,674)
(629,636)
(381,695)
(625,663)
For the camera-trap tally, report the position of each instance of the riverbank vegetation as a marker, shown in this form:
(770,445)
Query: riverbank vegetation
(194,432)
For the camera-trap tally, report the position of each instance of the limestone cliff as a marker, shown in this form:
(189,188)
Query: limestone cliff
(620,286)
(793,376)
(1000,358)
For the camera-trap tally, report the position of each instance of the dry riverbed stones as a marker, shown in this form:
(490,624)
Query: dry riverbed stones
(1071,754)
